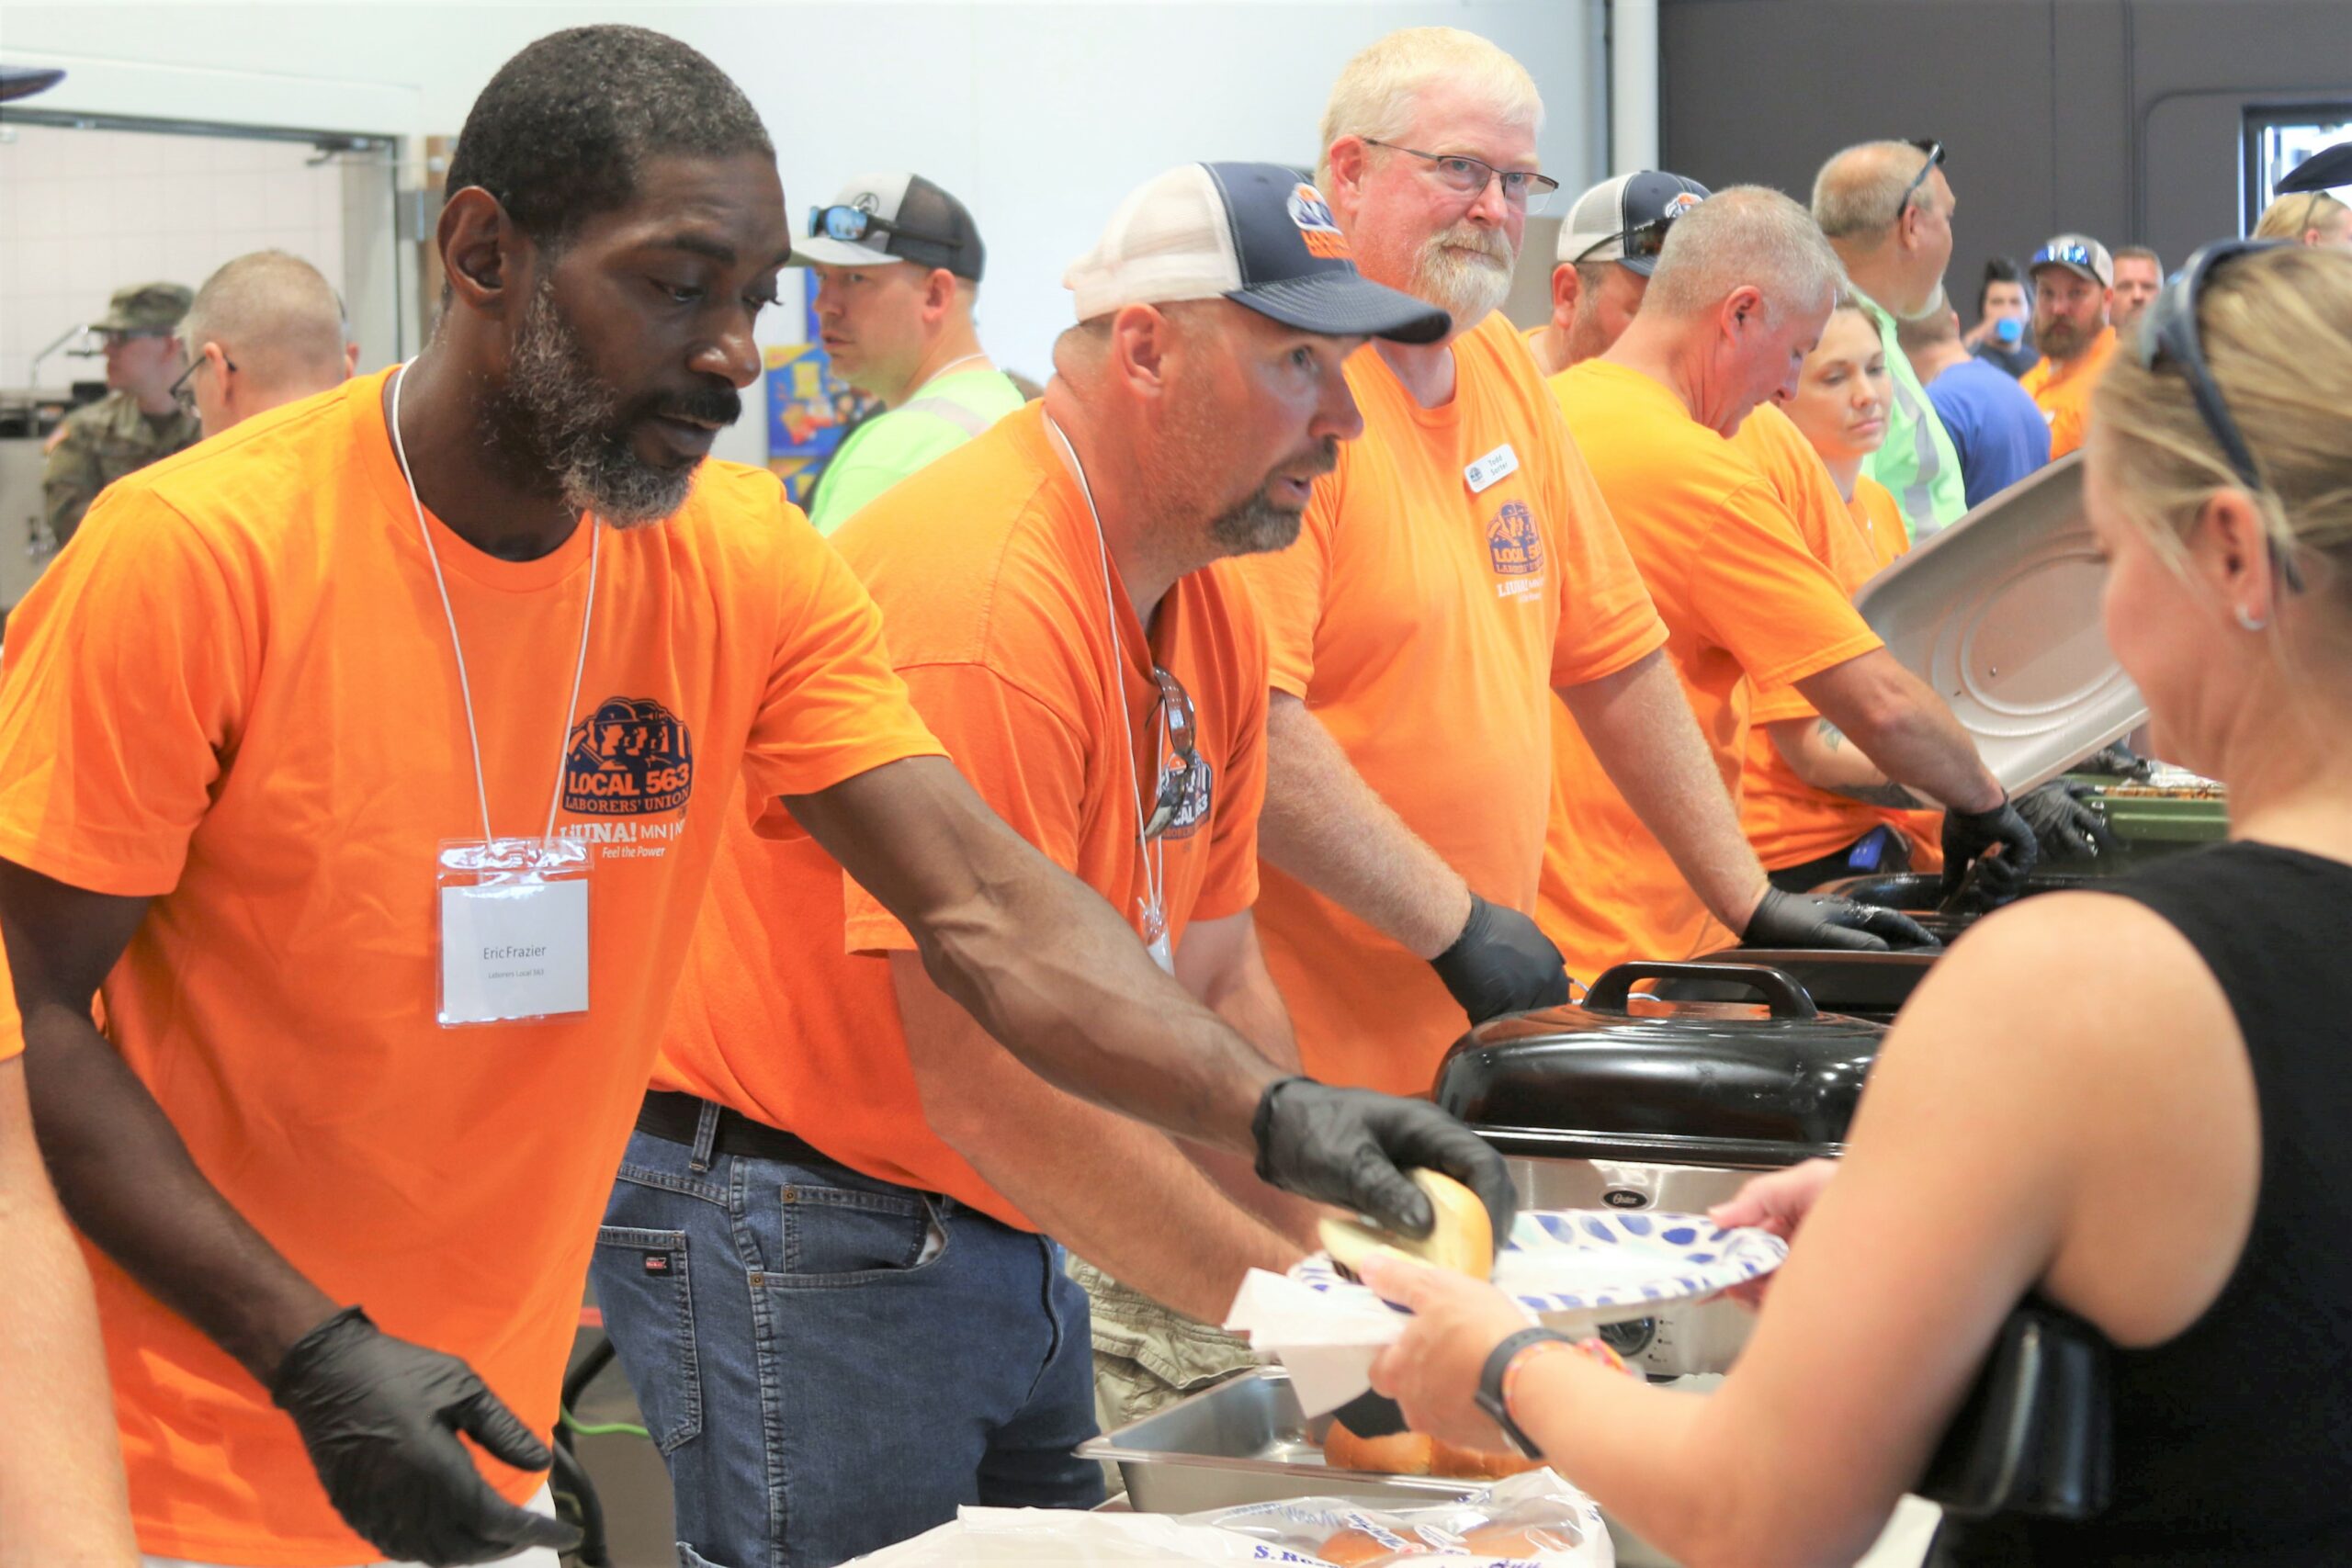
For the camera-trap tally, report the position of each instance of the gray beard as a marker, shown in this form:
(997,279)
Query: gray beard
(1255,527)
(556,416)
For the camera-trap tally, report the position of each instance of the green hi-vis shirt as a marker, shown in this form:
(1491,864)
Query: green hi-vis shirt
(97,445)
(1918,462)
(939,418)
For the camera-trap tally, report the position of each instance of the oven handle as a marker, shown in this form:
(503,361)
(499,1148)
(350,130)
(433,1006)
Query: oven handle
(1779,990)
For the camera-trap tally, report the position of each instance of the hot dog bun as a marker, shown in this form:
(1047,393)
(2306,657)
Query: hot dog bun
(1405,1453)
(1462,1239)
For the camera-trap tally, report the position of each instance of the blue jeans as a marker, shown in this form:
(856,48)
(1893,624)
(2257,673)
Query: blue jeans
(831,1363)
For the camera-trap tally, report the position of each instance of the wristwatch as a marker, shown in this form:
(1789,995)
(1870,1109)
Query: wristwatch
(1490,1386)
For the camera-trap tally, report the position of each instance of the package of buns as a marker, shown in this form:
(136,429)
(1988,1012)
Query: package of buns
(1533,1519)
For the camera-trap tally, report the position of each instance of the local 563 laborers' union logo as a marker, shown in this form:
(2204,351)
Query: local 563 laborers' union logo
(1513,541)
(631,757)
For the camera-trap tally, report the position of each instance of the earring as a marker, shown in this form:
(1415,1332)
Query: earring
(2249,621)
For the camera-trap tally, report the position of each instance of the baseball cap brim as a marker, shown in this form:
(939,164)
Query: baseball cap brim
(1346,304)
(829,252)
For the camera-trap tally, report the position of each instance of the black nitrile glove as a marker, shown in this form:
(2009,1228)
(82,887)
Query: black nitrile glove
(2063,826)
(1351,1147)
(2116,760)
(1501,962)
(1824,919)
(380,1417)
(1968,835)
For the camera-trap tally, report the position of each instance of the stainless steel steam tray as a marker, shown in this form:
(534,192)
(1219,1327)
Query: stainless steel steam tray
(1244,1441)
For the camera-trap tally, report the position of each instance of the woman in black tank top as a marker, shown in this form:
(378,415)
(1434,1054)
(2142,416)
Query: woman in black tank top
(2135,1103)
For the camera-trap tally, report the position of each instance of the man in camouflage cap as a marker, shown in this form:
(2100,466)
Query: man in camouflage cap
(138,420)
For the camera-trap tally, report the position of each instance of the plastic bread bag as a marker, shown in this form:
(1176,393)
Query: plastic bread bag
(1532,1520)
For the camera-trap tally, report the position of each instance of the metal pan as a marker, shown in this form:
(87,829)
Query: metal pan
(1245,1441)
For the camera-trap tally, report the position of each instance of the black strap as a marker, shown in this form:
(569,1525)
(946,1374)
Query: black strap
(1490,1384)
(675,1116)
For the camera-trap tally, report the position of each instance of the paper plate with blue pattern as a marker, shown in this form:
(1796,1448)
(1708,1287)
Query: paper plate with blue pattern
(1597,1265)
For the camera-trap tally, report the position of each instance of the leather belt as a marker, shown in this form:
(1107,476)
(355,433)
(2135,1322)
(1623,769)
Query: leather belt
(674,1116)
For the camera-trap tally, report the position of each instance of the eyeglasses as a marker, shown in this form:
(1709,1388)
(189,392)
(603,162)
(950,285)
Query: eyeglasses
(850,224)
(1180,759)
(184,390)
(1470,176)
(2169,336)
(1934,151)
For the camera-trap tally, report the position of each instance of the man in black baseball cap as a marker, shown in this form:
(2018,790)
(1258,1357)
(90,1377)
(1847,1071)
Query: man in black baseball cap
(1058,603)
(897,264)
(1608,247)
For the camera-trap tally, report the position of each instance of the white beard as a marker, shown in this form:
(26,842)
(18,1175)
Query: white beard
(1467,288)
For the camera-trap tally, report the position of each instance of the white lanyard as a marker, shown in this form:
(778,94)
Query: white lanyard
(465,690)
(1155,870)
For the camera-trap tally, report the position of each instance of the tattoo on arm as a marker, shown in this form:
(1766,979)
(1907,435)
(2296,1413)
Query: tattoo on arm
(1831,738)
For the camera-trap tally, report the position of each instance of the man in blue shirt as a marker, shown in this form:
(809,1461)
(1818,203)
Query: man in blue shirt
(1993,424)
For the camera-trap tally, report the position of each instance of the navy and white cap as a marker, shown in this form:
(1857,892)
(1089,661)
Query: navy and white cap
(2078,253)
(1255,233)
(1638,204)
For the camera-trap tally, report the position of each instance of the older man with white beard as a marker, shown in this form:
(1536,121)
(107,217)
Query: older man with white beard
(1456,569)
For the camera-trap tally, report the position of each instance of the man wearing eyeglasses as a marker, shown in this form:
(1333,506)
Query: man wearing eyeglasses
(1458,568)
(137,422)
(1608,249)
(895,264)
(266,330)
(2074,282)
(1059,606)
(1888,209)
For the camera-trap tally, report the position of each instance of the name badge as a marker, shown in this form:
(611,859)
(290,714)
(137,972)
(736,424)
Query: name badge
(513,930)
(1498,464)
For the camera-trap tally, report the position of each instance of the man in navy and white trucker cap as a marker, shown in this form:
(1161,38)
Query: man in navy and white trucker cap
(1258,234)
(1621,221)
(1060,610)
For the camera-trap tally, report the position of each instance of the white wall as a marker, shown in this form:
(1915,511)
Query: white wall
(85,212)
(1040,116)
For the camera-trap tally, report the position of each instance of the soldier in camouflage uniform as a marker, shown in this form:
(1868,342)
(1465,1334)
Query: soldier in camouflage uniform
(137,421)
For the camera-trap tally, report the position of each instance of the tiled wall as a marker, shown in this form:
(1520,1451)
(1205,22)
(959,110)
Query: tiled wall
(83,213)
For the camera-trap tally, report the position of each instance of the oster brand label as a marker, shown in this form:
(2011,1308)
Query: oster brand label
(1513,541)
(630,756)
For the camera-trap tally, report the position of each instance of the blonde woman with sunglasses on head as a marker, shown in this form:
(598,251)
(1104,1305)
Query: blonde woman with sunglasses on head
(2128,1105)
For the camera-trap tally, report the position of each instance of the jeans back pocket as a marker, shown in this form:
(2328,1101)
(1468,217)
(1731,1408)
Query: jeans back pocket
(645,1289)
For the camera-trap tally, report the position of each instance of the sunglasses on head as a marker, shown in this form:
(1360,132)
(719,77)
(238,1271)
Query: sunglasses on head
(2170,338)
(1934,151)
(850,224)
(1643,240)
(2063,255)
(1180,759)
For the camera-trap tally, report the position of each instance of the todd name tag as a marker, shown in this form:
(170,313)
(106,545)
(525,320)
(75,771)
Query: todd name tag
(513,950)
(1498,464)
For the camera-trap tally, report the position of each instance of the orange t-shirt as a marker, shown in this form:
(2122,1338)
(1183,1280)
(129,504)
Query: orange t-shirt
(1425,623)
(2063,392)
(1741,598)
(986,566)
(1788,821)
(235,696)
(12,1023)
